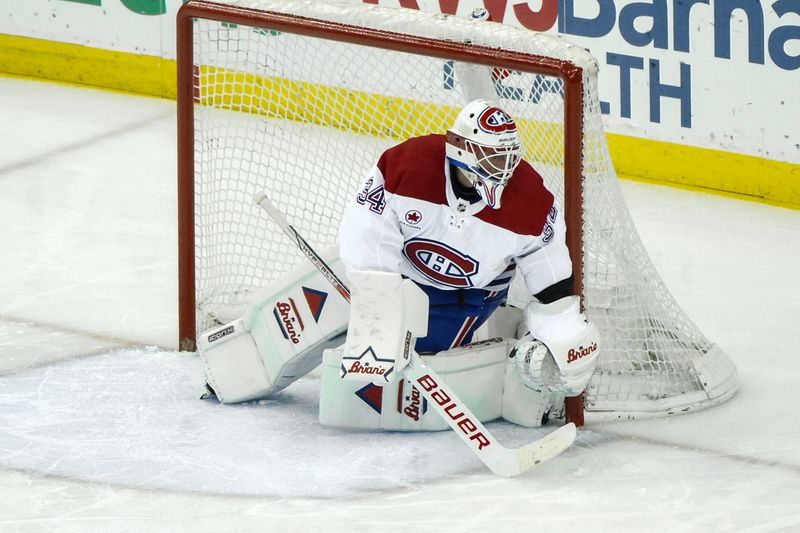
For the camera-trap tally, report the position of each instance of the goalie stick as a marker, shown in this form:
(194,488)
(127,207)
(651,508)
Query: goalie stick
(263,202)
(499,459)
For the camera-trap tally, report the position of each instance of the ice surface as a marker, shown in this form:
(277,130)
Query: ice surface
(100,433)
(133,418)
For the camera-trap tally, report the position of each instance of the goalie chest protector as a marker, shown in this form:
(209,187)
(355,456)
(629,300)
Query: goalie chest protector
(408,219)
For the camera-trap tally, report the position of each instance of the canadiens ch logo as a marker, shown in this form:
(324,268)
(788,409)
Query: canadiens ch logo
(413,217)
(494,120)
(441,263)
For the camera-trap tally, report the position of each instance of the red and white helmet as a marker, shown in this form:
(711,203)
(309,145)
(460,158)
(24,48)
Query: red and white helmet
(484,142)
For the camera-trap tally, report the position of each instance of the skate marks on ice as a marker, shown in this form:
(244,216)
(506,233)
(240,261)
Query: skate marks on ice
(25,344)
(133,418)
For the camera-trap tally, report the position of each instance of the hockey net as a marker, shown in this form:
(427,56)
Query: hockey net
(299,98)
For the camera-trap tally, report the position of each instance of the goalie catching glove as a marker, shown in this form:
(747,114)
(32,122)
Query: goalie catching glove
(559,354)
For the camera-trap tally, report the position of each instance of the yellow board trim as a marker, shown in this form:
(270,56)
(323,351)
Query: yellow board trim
(715,171)
(301,101)
(349,109)
(84,65)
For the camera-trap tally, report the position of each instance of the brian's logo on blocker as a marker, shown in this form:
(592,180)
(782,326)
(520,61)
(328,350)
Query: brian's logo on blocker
(441,263)
(367,366)
(494,120)
(289,321)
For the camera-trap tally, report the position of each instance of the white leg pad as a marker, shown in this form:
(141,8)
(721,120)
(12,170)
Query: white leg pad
(479,373)
(233,367)
(475,372)
(280,339)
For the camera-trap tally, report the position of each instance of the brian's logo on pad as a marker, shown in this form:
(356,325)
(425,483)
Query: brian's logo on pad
(289,321)
(358,368)
(413,404)
(366,367)
(441,263)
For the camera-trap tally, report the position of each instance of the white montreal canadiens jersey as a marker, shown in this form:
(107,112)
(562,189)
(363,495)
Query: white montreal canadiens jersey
(407,219)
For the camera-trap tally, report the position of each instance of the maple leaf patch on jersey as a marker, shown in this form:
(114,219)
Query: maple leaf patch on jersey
(413,217)
(441,263)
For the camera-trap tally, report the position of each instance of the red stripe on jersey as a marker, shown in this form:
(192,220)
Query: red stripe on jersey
(525,203)
(463,332)
(415,169)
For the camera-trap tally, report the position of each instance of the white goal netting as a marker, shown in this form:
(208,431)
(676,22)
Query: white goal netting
(304,118)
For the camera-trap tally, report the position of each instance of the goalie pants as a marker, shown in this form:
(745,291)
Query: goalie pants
(454,315)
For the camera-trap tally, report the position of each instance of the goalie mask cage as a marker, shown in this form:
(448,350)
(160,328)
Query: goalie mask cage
(299,98)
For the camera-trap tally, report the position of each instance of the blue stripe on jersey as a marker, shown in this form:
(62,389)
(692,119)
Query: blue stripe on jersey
(500,281)
(503,280)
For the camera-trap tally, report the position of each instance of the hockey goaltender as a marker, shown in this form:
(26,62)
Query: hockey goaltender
(429,247)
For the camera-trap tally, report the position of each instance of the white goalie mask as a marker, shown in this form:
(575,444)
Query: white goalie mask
(484,142)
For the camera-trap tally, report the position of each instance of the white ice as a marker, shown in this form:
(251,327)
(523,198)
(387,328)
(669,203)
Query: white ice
(101,428)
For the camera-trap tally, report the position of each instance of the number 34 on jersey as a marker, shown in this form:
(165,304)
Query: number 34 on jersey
(374,197)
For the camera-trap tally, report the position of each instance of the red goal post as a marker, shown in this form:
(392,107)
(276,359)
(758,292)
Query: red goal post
(245,97)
